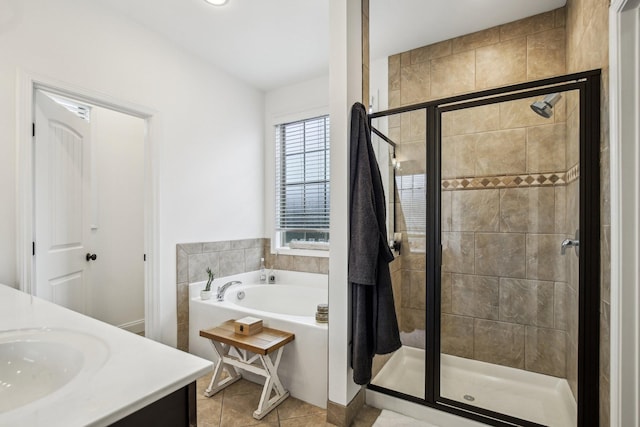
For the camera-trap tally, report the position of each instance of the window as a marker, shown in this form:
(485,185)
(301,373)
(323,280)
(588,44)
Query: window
(412,192)
(302,184)
(75,107)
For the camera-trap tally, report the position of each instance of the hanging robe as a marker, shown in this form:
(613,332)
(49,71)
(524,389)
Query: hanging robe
(374,322)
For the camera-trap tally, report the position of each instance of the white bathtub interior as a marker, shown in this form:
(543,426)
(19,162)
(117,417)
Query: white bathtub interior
(288,305)
(536,397)
(259,298)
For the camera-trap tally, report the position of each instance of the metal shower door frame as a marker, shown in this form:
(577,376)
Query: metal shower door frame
(588,85)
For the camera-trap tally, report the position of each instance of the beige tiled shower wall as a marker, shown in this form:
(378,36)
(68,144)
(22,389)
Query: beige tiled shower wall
(503,278)
(528,49)
(567,293)
(226,258)
(503,283)
(587,47)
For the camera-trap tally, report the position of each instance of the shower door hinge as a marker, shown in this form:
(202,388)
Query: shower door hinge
(33,129)
(144,258)
(441,255)
(33,248)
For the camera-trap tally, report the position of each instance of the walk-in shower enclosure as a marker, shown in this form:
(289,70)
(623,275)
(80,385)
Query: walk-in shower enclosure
(496,194)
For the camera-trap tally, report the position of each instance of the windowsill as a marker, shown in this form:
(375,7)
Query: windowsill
(301,252)
(313,246)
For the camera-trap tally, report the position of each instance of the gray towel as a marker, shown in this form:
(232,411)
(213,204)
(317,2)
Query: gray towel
(374,322)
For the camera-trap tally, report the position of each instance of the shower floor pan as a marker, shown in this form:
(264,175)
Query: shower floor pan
(535,397)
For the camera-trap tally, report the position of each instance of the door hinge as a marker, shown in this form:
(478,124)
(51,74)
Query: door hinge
(33,248)
(33,129)
(145,257)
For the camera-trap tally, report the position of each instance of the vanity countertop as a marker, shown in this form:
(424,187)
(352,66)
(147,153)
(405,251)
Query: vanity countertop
(137,371)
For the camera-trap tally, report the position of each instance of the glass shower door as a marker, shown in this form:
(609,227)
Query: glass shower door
(509,198)
(404,370)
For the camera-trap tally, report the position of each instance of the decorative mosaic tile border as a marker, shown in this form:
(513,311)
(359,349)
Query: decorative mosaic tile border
(512,181)
(573,173)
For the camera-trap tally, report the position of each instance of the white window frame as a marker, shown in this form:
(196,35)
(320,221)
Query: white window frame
(270,181)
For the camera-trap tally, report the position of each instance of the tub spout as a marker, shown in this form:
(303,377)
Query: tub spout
(222,289)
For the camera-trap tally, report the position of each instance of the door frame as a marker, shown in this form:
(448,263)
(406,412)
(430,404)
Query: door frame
(624,84)
(27,83)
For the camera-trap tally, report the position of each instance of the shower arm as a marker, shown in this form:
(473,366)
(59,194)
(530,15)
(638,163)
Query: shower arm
(384,137)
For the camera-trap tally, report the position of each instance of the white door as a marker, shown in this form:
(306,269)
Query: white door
(62,205)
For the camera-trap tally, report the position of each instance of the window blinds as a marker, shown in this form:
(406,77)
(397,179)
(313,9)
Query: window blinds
(302,176)
(412,192)
(80,110)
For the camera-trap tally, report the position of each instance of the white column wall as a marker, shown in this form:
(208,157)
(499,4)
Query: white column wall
(345,80)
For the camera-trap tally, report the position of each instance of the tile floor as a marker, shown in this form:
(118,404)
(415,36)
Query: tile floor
(234,406)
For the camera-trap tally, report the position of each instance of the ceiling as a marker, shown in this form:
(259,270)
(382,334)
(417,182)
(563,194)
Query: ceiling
(273,43)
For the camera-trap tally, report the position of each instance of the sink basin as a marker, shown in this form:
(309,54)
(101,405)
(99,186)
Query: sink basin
(37,363)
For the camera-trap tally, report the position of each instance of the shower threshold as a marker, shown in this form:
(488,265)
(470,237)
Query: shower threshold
(527,395)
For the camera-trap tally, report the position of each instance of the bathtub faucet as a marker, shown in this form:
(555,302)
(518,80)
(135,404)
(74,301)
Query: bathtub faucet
(222,289)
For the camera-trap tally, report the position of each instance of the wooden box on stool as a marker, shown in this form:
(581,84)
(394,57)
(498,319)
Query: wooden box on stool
(248,326)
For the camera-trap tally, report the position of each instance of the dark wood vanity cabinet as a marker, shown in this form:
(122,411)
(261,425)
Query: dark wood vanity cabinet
(177,409)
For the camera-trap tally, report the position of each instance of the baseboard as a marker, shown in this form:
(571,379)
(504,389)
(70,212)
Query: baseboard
(343,416)
(137,326)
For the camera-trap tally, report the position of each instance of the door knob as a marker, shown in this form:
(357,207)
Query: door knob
(91,257)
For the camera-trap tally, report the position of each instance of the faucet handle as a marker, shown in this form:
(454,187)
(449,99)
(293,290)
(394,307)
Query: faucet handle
(568,243)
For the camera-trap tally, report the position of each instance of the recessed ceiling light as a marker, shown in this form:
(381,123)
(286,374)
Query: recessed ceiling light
(217,2)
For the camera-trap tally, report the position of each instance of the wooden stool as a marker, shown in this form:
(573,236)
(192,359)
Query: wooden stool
(223,338)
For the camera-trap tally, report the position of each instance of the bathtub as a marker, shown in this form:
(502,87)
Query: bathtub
(289,305)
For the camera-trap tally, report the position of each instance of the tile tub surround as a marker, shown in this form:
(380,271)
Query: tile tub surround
(227,258)
(133,376)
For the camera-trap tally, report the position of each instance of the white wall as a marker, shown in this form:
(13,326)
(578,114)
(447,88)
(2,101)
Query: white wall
(294,102)
(209,125)
(297,98)
(379,83)
(117,277)
(624,89)
(345,79)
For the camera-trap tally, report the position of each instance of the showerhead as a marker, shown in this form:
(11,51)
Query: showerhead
(545,107)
